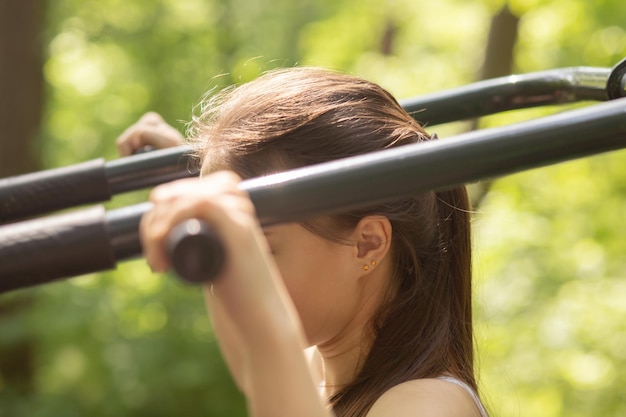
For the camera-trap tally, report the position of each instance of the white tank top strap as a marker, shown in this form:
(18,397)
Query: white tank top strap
(469,390)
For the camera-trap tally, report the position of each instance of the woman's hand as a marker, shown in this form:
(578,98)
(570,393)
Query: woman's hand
(249,271)
(150,130)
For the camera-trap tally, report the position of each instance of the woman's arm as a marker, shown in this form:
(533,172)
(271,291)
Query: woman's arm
(152,130)
(252,299)
(228,338)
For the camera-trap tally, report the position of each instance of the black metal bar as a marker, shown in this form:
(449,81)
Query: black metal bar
(42,250)
(123,226)
(512,92)
(403,171)
(31,194)
(90,182)
(348,183)
(63,188)
(150,168)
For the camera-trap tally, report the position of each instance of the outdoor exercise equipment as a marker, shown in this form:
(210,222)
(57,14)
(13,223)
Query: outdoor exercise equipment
(45,249)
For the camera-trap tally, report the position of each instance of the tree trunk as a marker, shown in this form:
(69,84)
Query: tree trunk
(501,41)
(21,84)
(21,103)
(498,62)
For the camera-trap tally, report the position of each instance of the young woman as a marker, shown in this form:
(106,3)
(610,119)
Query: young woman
(381,296)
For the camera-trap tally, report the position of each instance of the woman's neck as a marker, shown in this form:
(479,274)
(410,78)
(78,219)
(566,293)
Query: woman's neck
(339,367)
(342,357)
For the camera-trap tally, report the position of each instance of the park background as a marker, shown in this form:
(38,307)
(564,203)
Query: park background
(550,244)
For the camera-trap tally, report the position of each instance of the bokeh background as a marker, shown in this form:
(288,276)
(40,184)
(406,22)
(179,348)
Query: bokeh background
(550,263)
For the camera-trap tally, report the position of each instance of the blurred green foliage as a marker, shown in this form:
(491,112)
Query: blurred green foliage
(550,243)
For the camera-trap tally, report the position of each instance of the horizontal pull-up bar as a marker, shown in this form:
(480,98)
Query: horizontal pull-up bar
(513,92)
(97,180)
(41,250)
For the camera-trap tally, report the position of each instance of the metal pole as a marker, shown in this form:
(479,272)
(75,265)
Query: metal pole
(90,182)
(512,92)
(332,187)
(97,181)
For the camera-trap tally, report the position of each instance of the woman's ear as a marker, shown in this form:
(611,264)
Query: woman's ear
(373,237)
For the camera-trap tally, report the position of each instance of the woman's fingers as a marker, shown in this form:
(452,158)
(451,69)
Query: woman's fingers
(150,130)
(215,199)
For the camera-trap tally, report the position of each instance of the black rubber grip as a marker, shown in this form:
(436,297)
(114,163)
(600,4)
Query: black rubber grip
(43,250)
(41,192)
(196,252)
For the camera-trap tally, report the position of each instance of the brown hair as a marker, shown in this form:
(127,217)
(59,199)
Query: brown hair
(301,116)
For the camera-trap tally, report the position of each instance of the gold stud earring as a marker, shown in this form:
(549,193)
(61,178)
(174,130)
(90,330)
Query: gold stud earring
(373,263)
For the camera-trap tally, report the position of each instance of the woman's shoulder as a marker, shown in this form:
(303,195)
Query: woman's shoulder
(436,397)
